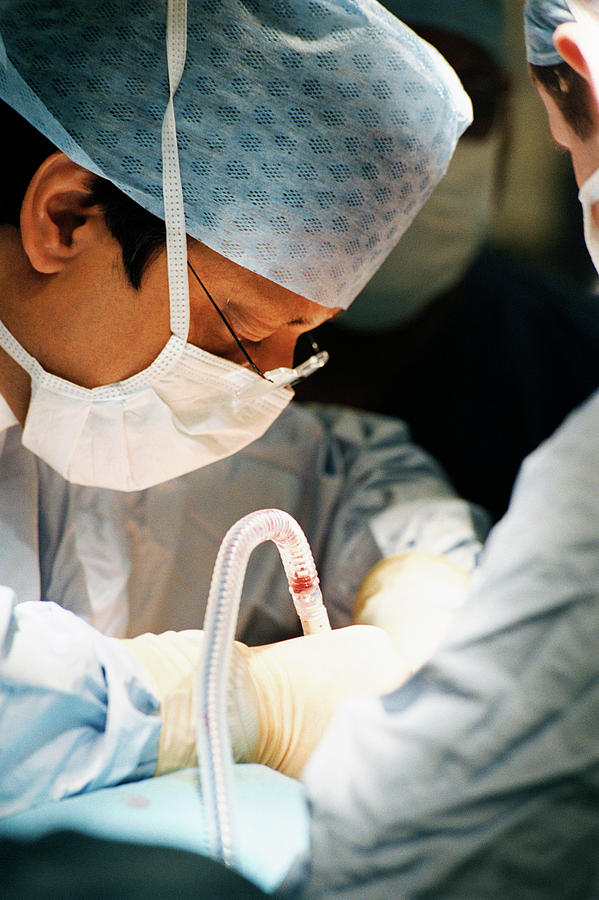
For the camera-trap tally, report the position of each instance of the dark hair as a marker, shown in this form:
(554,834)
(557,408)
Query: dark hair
(139,233)
(571,95)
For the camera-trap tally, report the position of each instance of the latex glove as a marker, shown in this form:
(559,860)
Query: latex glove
(170,661)
(413,597)
(300,683)
(281,697)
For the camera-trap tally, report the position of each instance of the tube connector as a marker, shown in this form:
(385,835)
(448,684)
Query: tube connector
(310,609)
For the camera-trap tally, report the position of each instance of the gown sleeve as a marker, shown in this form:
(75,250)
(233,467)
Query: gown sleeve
(480,776)
(75,713)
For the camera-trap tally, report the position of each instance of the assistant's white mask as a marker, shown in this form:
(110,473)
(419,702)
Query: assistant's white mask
(439,246)
(181,413)
(589,196)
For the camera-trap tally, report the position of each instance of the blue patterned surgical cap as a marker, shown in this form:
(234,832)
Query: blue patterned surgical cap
(310,132)
(541,18)
(481,21)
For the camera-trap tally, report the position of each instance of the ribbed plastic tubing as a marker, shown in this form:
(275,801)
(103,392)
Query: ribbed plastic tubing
(212,736)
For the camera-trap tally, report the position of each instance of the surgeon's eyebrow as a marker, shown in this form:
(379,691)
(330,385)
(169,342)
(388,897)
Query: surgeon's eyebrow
(301,320)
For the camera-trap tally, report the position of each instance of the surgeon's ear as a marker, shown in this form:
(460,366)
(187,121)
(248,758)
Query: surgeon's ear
(580,49)
(57,218)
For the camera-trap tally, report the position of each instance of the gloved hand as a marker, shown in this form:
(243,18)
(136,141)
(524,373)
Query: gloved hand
(300,683)
(280,698)
(413,597)
(171,662)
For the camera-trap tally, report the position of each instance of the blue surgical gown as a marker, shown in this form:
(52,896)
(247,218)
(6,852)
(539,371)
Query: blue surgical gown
(130,563)
(479,778)
(74,713)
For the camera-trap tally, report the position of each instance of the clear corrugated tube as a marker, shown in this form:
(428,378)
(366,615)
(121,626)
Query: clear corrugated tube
(213,742)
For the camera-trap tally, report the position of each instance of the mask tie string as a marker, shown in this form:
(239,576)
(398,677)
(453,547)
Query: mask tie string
(174,213)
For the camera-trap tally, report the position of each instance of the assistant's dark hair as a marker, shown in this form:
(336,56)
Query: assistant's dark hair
(139,233)
(571,94)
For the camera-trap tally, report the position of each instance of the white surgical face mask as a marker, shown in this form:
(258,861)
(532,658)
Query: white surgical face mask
(186,410)
(589,196)
(439,246)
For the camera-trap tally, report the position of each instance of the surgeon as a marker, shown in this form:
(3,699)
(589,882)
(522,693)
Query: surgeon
(196,209)
(479,777)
